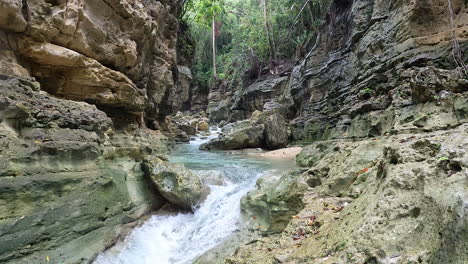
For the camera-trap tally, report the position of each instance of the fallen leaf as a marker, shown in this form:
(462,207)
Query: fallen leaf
(338,209)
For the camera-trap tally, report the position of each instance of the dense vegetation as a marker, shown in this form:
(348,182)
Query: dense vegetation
(249,34)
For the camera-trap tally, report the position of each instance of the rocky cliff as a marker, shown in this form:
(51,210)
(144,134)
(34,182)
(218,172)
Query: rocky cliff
(368,56)
(379,104)
(381,107)
(84,85)
(374,62)
(118,55)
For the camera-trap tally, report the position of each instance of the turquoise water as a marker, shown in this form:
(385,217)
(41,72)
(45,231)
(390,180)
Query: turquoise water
(181,238)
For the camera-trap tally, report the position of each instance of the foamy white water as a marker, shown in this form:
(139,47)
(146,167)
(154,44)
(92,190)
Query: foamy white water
(181,238)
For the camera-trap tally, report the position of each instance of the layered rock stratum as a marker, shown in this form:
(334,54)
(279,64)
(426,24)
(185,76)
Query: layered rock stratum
(85,86)
(380,106)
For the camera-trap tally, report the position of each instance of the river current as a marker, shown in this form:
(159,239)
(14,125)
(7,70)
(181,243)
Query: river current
(181,238)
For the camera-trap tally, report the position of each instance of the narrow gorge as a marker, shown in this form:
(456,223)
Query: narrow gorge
(234,131)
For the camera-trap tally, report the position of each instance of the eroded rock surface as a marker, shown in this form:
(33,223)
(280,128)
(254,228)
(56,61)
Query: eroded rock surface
(80,83)
(267,130)
(398,199)
(118,55)
(69,183)
(177,184)
(381,107)
(373,60)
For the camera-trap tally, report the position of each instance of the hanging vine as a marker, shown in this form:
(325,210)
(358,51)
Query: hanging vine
(456,50)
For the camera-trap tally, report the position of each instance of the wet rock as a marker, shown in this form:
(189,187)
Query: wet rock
(222,124)
(211,177)
(177,184)
(83,178)
(188,129)
(239,135)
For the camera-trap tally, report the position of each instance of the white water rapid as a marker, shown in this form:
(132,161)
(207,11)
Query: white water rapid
(181,238)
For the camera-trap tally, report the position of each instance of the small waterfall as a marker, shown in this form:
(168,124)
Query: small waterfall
(181,238)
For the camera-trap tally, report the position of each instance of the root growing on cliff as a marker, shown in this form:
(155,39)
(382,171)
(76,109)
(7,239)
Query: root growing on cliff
(456,50)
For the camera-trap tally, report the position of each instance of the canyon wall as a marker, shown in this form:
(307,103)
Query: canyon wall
(373,64)
(84,86)
(381,108)
(369,56)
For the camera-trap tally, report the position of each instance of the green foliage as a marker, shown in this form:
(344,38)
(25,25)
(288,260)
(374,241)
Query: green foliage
(341,246)
(241,34)
(206,9)
(366,91)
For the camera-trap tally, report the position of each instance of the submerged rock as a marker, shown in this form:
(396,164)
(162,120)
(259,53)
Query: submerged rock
(177,184)
(211,177)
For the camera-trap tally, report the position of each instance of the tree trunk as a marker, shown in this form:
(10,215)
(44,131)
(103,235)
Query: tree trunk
(268,30)
(213,26)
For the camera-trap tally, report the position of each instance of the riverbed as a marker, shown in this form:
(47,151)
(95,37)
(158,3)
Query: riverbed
(182,237)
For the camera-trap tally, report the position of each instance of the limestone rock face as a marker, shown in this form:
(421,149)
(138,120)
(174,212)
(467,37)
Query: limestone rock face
(69,183)
(119,55)
(177,184)
(256,96)
(274,202)
(399,198)
(376,58)
(183,85)
(224,104)
(83,78)
(276,131)
(80,81)
(11,17)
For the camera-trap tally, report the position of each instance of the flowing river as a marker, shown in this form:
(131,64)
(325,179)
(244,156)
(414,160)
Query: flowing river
(181,238)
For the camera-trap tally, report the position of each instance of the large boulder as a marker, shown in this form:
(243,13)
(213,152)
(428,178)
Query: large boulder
(274,201)
(276,132)
(239,135)
(267,129)
(176,183)
(203,126)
